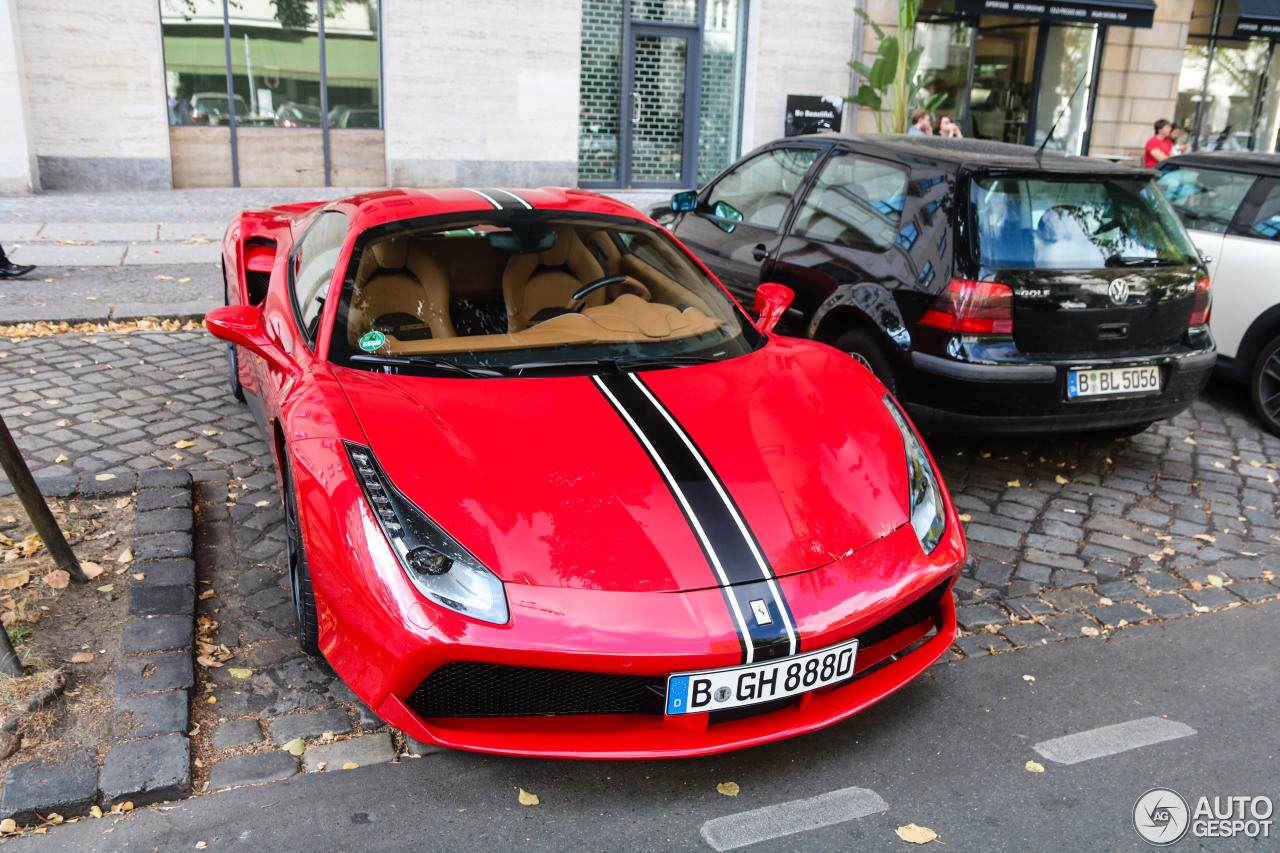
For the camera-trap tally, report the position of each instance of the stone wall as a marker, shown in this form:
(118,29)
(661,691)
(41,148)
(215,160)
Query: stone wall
(801,48)
(95,91)
(482,93)
(1139,80)
(17,154)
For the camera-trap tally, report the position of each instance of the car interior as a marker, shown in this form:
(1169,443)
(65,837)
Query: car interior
(487,287)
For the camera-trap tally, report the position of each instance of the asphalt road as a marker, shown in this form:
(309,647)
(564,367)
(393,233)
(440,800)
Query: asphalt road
(948,752)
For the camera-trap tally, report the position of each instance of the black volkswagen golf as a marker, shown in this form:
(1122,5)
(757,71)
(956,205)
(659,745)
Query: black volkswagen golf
(992,287)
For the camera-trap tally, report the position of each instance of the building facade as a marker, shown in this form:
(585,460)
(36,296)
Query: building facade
(150,94)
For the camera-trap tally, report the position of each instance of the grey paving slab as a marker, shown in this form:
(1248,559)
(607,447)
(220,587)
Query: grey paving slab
(173,253)
(53,254)
(368,749)
(99,232)
(12,232)
(211,231)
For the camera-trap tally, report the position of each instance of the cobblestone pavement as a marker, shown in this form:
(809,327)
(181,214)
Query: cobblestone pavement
(1069,536)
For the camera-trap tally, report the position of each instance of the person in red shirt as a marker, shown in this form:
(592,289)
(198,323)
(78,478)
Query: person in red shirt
(1160,146)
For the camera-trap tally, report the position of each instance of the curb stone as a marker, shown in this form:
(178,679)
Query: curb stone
(157,644)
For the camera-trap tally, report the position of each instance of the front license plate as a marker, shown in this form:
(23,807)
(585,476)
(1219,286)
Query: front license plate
(750,684)
(1113,381)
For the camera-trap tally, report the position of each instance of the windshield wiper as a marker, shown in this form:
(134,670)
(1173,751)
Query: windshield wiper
(1135,261)
(426,361)
(619,365)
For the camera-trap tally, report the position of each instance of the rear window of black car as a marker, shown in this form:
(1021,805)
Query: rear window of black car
(1074,222)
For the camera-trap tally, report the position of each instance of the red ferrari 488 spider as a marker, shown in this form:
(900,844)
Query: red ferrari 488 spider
(549,490)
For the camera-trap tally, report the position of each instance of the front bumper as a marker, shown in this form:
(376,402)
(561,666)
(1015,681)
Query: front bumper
(385,641)
(1031,396)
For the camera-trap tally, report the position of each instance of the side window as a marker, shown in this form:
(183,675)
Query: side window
(758,191)
(1205,199)
(313,263)
(855,202)
(1263,222)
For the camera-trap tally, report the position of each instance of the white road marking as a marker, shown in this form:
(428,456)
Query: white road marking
(1109,740)
(739,830)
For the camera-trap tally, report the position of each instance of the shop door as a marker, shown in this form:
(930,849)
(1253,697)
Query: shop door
(660,112)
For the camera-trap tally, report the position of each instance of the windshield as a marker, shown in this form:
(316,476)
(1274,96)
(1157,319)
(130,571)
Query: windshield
(1075,222)
(535,292)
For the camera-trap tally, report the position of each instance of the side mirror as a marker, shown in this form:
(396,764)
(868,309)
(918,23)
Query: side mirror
(242,325)
(687,200)
(772,301)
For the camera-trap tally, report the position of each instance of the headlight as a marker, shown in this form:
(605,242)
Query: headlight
(928,517)
(434,562)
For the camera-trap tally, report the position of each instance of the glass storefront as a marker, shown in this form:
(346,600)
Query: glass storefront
(1229,89)
(1011,79)
(679,63)
(275,54)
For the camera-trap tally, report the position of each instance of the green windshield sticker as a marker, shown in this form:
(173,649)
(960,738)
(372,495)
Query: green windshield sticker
(372,341)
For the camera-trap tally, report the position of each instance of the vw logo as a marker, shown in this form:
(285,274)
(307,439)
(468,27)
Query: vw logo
(1119,291)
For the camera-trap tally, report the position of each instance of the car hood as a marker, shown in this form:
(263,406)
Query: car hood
(548,484)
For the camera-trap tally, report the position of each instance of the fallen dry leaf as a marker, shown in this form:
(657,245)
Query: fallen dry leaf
(1060,480)
(95,811)
(1014,484)
(964,516)
(139,576)
(916,834)
(200,845)
(729,789)
(126,556)
(8,825)
(82,657)
(262,503)
(294,747)
(320,765)
(57,579)
(1205,537)
(107,587)
(184,444)
(240,673)
(351,765)
(527,799)
(1028,678)
(209,431)
(1089,630)
(1214,580)
(1035,767)
(62,457)
(105,477)
(123,502)
(208,593)
(15,579)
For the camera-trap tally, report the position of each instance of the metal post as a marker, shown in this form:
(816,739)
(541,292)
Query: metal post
(24,485)
(231,93)
(1208,69)
(324,98)
(9,663)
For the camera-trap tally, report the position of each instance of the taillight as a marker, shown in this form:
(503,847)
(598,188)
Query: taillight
(1202,307)
(975,307)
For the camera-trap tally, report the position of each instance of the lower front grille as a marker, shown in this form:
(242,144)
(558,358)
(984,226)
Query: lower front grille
(469,689)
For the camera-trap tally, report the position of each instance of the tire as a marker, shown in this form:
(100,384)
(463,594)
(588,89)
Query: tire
(306,625)
(1264,385)
(233,363)
(865,348)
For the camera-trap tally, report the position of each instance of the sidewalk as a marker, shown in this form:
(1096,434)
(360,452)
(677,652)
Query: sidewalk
(128,255)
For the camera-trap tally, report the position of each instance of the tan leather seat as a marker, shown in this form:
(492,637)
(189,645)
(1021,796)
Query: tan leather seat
(405,295)
(549,279)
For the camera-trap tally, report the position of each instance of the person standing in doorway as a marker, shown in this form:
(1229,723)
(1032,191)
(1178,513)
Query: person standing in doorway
(947,127)
(1159,147)
(921,123)
(8,269)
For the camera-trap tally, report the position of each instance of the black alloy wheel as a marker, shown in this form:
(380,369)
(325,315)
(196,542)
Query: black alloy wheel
(304,600)
(233,363)
(863,347)
(1264,385)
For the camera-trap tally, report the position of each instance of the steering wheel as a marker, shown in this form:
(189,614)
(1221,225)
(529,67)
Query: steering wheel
(606,281)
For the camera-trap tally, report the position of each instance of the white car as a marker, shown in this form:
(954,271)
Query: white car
(1229,202)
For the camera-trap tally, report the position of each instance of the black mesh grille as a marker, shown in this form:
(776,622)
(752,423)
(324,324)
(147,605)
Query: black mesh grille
(468,689)
(494,690)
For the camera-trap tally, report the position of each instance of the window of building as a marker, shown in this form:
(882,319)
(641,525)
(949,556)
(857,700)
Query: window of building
(276,55)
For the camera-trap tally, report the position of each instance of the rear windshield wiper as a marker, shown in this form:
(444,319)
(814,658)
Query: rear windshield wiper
(1135,261)
(426,361)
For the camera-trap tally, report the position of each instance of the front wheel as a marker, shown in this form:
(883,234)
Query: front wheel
(863,347)
(233,364)
(1264,386)
(304,599)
